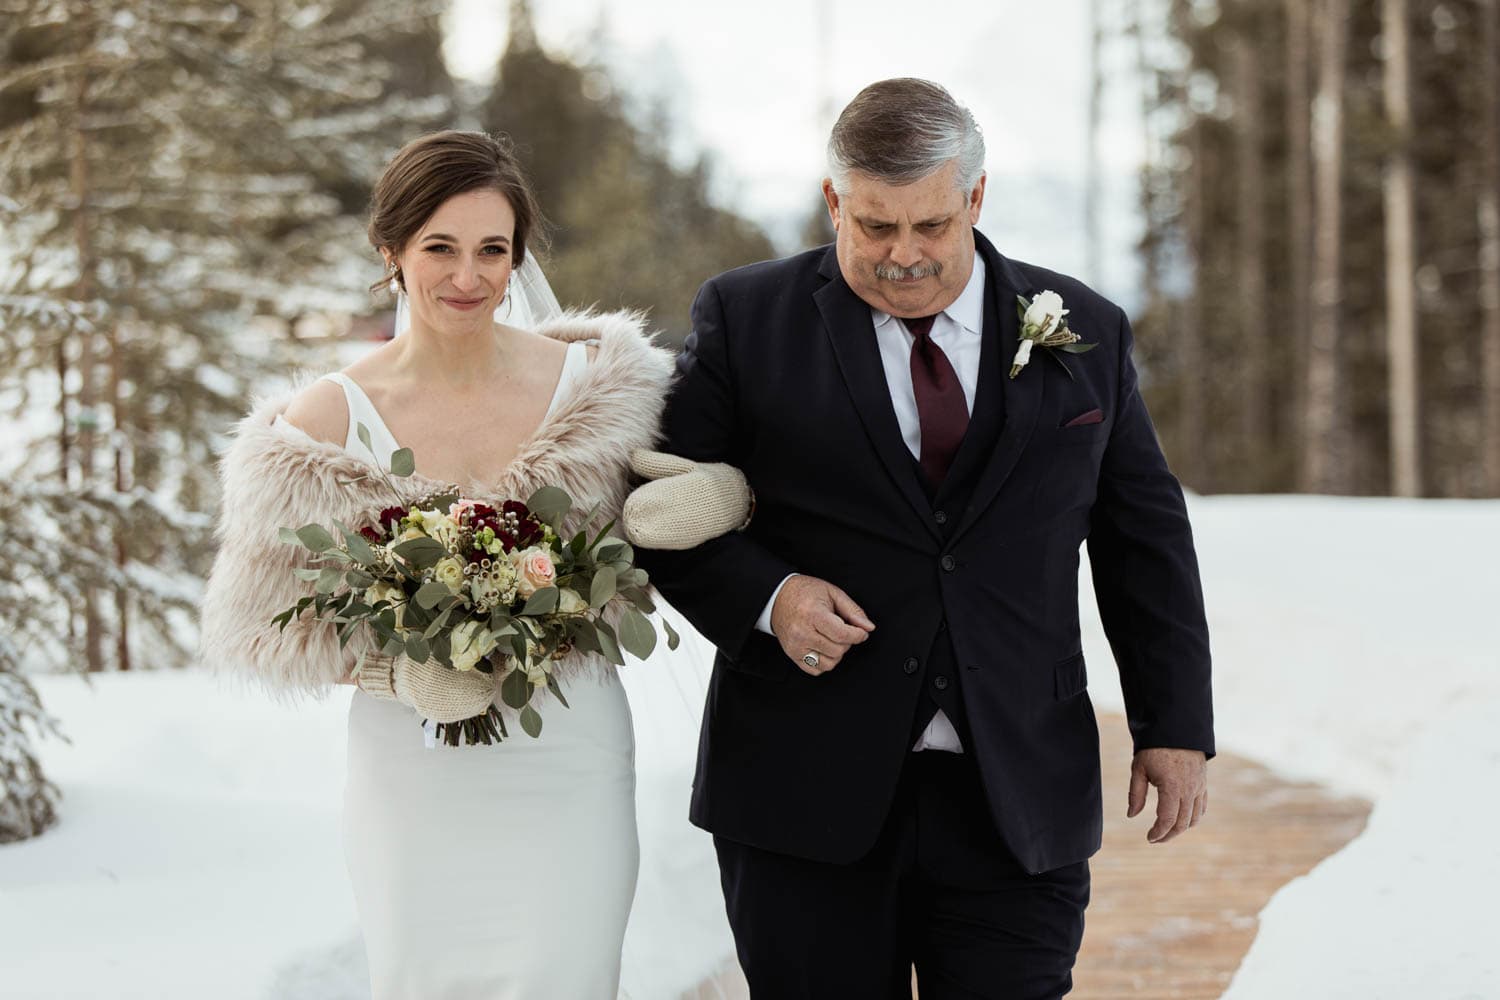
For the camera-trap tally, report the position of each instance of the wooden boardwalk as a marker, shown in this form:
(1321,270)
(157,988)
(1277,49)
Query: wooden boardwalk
(1172,921)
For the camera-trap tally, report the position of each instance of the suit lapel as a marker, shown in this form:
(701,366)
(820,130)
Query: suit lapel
(851,332)
(1022,395)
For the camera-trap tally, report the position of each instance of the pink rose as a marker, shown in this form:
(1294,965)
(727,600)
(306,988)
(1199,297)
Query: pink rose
(534,570)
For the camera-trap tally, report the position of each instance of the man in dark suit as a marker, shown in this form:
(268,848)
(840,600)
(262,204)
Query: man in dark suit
(899,761)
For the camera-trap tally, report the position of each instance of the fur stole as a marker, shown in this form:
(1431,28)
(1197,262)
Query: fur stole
(274,476)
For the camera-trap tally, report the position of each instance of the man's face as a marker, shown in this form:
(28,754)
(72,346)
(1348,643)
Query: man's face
(906,250)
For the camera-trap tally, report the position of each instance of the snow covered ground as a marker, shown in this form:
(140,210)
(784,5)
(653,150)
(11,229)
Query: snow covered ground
(1355,645)
(199,849)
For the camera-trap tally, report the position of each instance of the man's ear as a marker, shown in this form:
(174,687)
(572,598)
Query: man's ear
(976,200)
(832,198)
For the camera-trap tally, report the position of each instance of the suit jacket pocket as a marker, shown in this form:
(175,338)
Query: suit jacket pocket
(1069,677)
(762,657)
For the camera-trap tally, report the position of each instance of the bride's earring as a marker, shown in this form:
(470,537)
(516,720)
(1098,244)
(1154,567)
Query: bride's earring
(395,284)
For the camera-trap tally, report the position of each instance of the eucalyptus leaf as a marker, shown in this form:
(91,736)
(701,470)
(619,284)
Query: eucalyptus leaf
(603,534)
(437,623)
(442,649)
(421,553)
(584,635)
(315,537)
(1078,348)
(393,646)
(636,634)
(430,593)
(603,587)
(288,535)
(364,436)
(358,580)
(417,649)
(531,722)
(403,463)
(518,646)
(556,690)
(614,551)
(543,602)
(308,574)
(329,579)
(358,547)
(608,644)
(550,504)
(673,639)
(515,689)
(640,597)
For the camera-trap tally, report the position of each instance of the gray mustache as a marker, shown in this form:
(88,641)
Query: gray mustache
(888,273)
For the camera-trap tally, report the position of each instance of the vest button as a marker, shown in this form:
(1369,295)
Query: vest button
(941,516)
(940,682)
(911,665)
(949,564)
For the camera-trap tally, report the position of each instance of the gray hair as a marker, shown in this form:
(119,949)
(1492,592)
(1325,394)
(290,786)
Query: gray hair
(900,131)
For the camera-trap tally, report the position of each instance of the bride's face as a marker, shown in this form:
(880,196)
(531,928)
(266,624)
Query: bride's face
(458,265)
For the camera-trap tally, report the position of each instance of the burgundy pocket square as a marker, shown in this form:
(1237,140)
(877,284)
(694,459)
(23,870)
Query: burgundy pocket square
(1084,419)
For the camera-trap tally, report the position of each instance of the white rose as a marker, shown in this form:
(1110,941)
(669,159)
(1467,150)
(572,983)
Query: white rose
(536,673)
(450,572)
(382,591)
(442,529)
(570,602)
(534,570)
(410,533)
(471,642)
(1045,313)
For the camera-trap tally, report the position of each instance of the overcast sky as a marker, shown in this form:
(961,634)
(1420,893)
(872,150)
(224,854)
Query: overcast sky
(758,86)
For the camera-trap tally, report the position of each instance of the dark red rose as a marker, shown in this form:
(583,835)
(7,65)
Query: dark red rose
(517,508)
(528,533)
(391,516)
(480,510)
(371,535)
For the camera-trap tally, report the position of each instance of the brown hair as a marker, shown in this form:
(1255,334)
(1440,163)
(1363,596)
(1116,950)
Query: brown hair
(428,171)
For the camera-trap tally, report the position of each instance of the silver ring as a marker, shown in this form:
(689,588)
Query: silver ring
(811,659)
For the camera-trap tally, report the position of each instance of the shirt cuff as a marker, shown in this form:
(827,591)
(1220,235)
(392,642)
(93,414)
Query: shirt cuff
(763,624)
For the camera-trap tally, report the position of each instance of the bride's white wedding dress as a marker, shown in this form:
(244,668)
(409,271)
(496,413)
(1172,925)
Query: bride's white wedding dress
(502,871)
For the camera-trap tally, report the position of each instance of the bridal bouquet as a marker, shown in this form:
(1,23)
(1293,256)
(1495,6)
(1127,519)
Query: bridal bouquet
(475,586)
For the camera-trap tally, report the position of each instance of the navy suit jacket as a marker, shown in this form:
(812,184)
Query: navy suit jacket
(782,377)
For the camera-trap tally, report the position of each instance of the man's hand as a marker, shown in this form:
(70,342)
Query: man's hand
(814,616)
(1181,780)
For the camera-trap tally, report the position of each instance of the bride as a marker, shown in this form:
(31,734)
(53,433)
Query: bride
(489,871)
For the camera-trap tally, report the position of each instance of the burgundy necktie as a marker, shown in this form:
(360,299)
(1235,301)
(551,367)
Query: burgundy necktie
(942,410)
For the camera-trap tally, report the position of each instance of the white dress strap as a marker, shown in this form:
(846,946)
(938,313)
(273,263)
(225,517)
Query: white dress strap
(575,363)
(362,411)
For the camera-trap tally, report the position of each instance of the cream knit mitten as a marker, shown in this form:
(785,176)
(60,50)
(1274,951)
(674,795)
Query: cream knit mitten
(436,692)
(687,503)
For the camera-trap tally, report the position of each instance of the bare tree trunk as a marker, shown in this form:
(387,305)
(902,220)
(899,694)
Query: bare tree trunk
(1092,234)
(93,635)
(121,442)
(1192,411)
(1299,207)
(1326,461)
(1256,337)
(1401,259)
(1489,242)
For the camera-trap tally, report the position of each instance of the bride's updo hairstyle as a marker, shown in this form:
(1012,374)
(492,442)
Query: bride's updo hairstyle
(428,171)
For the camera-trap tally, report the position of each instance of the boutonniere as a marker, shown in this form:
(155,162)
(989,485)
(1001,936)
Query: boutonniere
(1044,323)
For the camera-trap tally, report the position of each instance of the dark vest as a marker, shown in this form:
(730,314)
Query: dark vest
(941,679)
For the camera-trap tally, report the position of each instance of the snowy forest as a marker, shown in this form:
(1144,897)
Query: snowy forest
(183,199)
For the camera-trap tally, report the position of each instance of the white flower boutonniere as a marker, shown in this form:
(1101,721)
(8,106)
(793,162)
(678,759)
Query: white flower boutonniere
(1044,323)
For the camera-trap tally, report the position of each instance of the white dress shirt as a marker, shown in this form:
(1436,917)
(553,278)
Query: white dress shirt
(958,331)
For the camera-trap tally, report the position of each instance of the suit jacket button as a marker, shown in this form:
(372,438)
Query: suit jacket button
(949,564)
(940,682)
(911,665)
(941,516)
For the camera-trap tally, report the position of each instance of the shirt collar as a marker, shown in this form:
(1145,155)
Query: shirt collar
(967,310)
